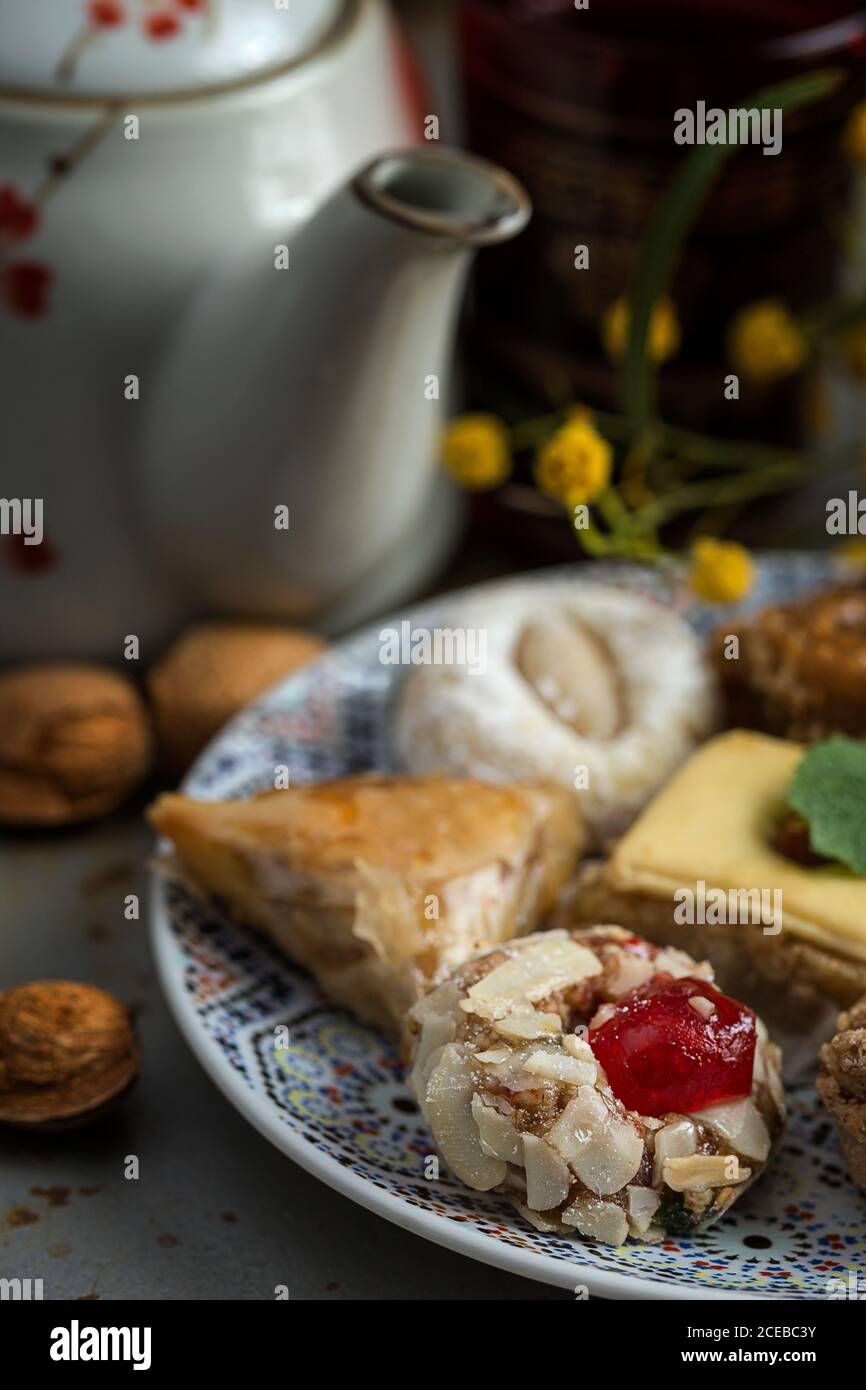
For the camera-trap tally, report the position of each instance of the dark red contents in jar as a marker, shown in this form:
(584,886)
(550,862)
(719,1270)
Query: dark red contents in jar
(660,1052)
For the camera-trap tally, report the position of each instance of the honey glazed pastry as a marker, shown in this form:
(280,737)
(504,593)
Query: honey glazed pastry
(801,667)
(380,886)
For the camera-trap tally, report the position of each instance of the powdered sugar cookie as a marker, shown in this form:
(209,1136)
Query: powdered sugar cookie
(602,690)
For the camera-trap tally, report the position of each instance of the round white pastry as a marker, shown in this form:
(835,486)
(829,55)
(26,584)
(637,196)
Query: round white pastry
(603,690)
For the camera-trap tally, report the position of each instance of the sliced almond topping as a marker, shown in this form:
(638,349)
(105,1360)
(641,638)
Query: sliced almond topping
(653,1234)
(598,1220)
(702,1006)
(494,1055)
(499,1138)
(601,1016)
(600,1147)
(643,1203)
(677,963)
(447,1110)
(541,1223)
(740,1124)
(554,1066)
(548,1180)
(437,1029)
(537,970)
(527,1023)
(699,1172)
(628,972)
(676,1140)
(578,1047)
(768,1060)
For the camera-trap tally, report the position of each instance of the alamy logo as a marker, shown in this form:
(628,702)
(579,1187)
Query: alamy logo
(737,126)
(22,516)
(846,516)
(77,1343)
(854,1288)
(437,646)
(20,1290)
(703,906)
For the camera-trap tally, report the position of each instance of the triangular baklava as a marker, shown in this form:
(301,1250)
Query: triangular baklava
(381,885)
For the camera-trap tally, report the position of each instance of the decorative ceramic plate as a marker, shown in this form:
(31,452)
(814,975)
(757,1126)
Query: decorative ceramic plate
(335,1101)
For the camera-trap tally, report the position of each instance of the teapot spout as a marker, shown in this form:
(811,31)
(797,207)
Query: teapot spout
(445,193)
(313,384)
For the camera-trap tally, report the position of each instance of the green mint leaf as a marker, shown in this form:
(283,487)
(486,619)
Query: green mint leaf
(828,790)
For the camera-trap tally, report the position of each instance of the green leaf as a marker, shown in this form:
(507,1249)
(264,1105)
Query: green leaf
(828,790)
(670,225)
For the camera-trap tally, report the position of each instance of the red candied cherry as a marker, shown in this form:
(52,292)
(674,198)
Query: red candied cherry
(162,24)
(676,1045)
(193,5)
(24,288)
(18,218)
(106,14)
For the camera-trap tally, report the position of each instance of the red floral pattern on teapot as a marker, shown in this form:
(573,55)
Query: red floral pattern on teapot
(25,283)
(157,19)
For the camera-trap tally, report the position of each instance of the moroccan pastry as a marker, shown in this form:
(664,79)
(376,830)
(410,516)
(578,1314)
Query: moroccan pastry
(601,690)
(381,886)
(605,1085)
(801,667)
(842,1087)
(212,671)
(710,866)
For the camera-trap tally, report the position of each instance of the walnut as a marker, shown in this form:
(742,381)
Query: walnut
(211,673)
(74,741)
(66,1052)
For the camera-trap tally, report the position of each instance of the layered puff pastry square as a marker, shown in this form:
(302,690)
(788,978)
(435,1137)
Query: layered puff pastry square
(381,886)
(709,832)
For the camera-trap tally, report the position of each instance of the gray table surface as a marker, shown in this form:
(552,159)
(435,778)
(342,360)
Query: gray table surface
(217,1212)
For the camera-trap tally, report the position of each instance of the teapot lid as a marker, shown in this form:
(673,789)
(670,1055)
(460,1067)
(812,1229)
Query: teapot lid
(154,48)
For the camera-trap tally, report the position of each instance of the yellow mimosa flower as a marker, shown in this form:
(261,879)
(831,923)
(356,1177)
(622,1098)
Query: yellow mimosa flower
(765,342)
(663,338)
(476,452)
(721,571)
(575,465)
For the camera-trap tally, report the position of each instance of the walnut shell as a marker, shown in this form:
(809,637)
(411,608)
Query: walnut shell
(75,739)
(66,1051)
(212,672)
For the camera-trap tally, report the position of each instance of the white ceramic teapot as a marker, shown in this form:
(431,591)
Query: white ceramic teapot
(217,336)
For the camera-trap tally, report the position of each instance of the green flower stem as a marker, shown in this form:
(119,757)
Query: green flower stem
(613,509)
(716,492)
(831,318)
(698,448)
(592,540)
(714,522)
(670,225)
